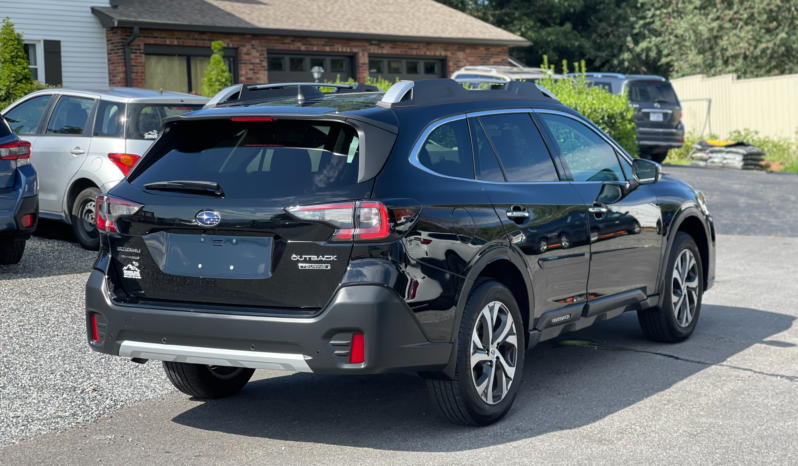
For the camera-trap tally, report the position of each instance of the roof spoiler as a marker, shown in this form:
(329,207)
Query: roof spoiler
(244,94)
(441,91)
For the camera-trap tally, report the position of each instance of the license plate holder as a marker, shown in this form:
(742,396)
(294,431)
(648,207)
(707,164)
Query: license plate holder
(212,256)
(655,116)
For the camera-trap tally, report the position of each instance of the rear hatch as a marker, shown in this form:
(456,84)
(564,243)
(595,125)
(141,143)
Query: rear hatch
(236,245)
(656,104)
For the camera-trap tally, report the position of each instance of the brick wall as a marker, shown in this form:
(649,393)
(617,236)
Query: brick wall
(252,51)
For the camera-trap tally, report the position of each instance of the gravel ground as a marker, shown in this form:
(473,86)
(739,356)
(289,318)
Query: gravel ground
(49,378)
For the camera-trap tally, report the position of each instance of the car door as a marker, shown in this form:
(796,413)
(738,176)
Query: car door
(625,234)
(543,216)
(61,150)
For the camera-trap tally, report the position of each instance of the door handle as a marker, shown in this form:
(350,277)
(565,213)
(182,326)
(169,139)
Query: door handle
(517,214)
(595,209)
(77,151)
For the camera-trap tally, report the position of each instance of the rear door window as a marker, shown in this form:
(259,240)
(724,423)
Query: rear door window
(588,156)
(651,91)
(70,116)
(260,160)
(144,120)
(522,152)
(25,117)
(447,151)
(487,165)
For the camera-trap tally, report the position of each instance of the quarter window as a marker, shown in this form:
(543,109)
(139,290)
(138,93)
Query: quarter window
(523,154)
(70,116)
(25,117)
(110,122)
(447,151)
(588,156)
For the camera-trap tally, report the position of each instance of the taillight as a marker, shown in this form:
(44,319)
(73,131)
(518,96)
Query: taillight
(363,220)
(357,355)
(125,162)
(109,209)
(18,150)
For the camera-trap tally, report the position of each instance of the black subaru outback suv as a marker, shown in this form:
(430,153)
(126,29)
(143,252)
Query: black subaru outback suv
(360,232)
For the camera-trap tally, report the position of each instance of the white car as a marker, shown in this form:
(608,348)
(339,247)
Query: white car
(500,74)
(83,142)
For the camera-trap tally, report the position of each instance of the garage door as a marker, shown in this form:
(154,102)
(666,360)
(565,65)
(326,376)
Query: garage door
(286,68)
(415,68)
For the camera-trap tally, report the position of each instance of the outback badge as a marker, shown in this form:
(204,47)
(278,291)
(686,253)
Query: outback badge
(208,218)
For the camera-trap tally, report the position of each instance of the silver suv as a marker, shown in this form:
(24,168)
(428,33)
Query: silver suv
(83,142)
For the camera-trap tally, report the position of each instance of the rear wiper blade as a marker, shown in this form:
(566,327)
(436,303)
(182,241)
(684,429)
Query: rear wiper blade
(199,187)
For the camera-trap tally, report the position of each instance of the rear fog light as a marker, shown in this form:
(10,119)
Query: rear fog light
(357,355)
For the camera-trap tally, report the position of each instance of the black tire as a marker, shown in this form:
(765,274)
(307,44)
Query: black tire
(543,246)
(204,381)
(458,400)
(84,219)
(11,251)
(661,323)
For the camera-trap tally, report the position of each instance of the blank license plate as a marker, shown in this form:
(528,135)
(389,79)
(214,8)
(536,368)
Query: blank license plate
(655,116)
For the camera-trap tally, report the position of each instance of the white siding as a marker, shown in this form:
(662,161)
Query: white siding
(84,58)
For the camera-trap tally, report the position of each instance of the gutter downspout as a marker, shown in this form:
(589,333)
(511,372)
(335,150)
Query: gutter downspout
(128,71)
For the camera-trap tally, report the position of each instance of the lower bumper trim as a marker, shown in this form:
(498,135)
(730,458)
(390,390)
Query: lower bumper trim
(214,356)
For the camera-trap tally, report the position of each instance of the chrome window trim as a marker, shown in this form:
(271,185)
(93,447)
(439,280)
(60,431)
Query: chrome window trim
(593,127)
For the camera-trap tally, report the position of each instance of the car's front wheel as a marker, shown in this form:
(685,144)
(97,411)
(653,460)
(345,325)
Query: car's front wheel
(84,219)
(207,381)
(675,318)
(490,359)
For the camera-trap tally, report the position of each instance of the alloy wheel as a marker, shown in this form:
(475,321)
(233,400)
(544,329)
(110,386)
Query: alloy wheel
(224,372)
(494,352)
(88,217)
(564,241)
(685,288)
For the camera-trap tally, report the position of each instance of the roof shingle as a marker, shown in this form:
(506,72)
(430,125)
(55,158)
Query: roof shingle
(410,20)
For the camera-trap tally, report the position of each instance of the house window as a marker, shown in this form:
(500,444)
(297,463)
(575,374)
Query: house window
(35,53)
(181,69)
(412,67)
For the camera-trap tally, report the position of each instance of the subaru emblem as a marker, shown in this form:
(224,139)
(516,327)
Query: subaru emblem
(208,218)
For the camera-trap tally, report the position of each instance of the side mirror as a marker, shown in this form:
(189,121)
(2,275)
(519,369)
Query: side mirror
(646,171)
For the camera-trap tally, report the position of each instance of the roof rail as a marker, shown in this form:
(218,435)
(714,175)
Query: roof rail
(443,91)
(243,94)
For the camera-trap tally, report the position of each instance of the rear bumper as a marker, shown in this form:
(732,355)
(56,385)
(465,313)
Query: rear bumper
(394,341)
(660,140)
(21,200)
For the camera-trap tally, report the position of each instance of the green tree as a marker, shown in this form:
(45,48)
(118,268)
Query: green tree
(713,37)
(217,76)
(15,77)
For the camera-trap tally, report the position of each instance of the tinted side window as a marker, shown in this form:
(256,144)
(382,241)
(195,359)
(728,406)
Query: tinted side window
(447,151)
(520,147)
(488,168)
(588,156)
(110,122)
(70,116)
(25,117)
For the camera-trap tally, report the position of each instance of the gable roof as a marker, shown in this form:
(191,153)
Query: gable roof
(404,20)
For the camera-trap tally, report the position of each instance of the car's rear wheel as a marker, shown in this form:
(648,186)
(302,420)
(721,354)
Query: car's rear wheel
(490,359)
(11,251)
(84,219)
(207,381)
(675,318)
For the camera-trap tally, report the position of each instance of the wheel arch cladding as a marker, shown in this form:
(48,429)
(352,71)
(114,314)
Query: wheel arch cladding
(506,273)
(693,226)
(75,189)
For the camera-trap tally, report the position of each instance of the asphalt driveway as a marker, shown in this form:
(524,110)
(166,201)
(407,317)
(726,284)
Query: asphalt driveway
(600,396)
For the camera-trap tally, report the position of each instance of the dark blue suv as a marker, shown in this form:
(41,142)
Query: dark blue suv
(19,195)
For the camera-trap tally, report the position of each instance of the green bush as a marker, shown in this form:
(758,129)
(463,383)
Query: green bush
(382,84)
(217,76)
(782,151)
(15,78)
(610,112)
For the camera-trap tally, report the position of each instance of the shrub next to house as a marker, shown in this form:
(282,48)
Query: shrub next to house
(15,77)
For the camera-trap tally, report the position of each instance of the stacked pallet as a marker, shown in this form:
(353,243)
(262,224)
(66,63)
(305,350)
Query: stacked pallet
(737,155)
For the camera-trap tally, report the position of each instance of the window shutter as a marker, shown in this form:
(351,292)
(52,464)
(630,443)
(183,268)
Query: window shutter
(52,62)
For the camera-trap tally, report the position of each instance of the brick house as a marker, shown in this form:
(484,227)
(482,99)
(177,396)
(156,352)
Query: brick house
(166,44)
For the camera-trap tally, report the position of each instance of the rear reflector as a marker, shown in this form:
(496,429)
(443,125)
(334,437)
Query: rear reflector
(95,334)
(252,118)
(125,162)
(358,353)
(18,150)
(27,221)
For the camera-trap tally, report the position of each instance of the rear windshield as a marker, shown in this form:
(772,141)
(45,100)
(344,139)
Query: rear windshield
(278,159)
(144,120)
(651,91)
